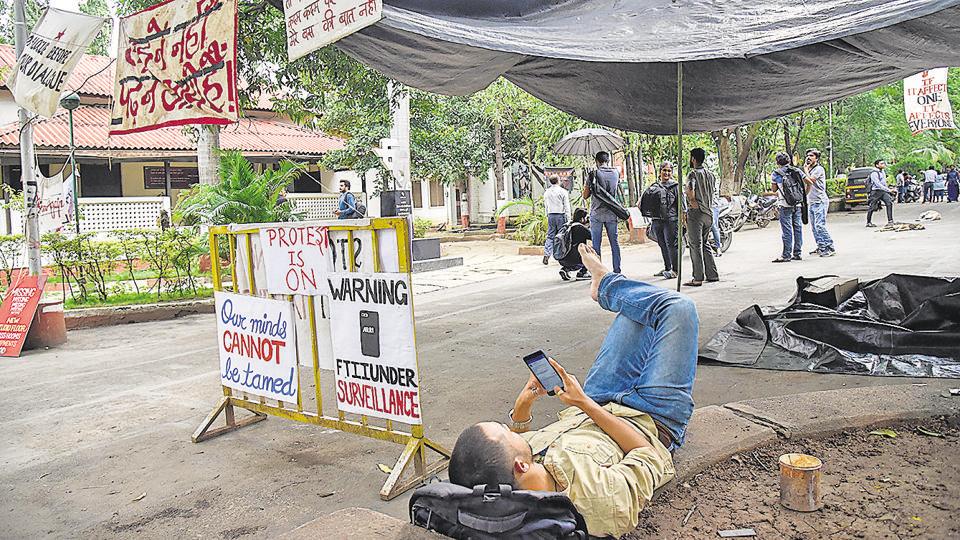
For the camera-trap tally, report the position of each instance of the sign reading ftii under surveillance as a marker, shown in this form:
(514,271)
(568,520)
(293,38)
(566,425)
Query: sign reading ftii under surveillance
(375,357)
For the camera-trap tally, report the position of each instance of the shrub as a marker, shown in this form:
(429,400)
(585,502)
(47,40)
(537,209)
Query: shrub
(836,187)
(531,223)
(421,226)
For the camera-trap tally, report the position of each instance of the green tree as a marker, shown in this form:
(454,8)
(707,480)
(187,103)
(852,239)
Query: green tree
(99,8)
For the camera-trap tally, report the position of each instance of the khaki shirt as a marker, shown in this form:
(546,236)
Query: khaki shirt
(606,486)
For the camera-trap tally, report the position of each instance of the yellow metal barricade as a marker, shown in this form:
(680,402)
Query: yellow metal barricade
(416,445)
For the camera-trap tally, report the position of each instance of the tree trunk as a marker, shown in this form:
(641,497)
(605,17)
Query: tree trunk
(786,137)
(744,146)
(630,173)
(640,168)
(498,157)
(721,139)
(208,154)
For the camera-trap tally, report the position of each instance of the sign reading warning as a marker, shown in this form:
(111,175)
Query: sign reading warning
(177,65)
(925,101)
(375,357)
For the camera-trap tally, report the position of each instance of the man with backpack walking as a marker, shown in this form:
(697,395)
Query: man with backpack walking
(879,193)
(699,191)
(347,203)
(659,203)
(556,204)
(602,217)
(791,200)
(818,203)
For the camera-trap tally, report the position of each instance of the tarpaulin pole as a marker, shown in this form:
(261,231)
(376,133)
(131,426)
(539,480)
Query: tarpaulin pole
(682,190)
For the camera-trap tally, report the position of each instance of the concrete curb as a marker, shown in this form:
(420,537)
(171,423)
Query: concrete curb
(108,316)
(716,433)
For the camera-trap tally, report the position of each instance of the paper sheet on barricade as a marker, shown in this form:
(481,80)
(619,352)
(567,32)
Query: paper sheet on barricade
(273,261)
(373,343)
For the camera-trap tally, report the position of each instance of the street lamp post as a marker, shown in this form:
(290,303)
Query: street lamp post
(70,102)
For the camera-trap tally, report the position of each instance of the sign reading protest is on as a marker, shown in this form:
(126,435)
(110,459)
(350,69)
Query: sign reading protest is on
(925,101)
(177,65)
(376,360)
(17,312)
(51,52)
(257,341)
(312,24)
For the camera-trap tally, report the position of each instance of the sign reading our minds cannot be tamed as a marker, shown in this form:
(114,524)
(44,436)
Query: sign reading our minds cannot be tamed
(257,342)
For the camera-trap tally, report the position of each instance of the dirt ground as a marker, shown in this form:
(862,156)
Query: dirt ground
(873,487)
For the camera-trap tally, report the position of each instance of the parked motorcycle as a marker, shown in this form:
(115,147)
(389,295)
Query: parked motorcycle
(761,209)
(913,191)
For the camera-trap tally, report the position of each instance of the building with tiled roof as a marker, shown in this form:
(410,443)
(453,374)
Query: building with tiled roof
(157,163)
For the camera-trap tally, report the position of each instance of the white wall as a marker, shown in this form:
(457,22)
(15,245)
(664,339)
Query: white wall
(8,108)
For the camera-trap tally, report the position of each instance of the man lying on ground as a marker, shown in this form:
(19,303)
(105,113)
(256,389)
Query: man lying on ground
(612,447)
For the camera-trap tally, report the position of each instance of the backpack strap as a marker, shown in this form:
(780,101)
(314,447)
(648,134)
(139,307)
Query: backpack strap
(492,525)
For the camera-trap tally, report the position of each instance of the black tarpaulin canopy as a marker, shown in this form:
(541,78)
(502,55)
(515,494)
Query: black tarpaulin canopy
(614,62)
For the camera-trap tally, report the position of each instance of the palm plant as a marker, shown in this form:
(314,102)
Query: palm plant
(242,196)
(532,222)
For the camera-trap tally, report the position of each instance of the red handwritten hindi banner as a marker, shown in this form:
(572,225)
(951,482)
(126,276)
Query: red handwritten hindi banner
(17,312)
(177,65)
(312,24)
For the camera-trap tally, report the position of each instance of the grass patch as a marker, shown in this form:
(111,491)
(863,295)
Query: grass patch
(130,299)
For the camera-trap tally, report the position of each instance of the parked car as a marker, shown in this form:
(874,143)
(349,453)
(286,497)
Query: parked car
(857,192)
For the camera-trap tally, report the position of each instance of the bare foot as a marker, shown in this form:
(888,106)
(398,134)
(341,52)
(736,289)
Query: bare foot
(596,268)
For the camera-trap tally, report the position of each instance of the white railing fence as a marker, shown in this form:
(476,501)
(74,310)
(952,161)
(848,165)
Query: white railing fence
(100,214)
(319,205)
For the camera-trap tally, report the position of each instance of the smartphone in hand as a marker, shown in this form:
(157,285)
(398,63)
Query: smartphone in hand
(543,371)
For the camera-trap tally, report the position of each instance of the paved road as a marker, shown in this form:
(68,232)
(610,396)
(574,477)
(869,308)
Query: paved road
(93,426)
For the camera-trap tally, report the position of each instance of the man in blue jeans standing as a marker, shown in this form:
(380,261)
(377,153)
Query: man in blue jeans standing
(556,203)
(611,448)
(791,218)
(818,202)
(601,216)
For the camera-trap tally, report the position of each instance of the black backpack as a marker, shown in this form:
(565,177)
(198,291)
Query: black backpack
(488,512)
(602,196)
(654,203)
(792,186)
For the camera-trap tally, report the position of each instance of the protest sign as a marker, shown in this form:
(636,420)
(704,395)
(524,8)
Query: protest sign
(258,352)
(373,343)
(312,24)
(17,312)
(51,52)
(177,65)
(925,101)
(54,202)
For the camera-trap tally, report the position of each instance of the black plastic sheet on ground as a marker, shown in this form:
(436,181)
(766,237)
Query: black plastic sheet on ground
(900,325)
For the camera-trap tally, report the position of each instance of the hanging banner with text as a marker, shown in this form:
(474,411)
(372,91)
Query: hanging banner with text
(54,202)
(257,341)
(52,51)
(312,24)
(376,360)
(177,65)
(17,313)
(925,101)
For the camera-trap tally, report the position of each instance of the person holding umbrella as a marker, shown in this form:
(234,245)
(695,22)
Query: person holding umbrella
(602,216)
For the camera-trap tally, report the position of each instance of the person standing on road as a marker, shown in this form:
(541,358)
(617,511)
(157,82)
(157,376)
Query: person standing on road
(556,203)
(818,202)
(940,187)
(347,204)
(601,216)
(716,220)
(791,215)
(665,229)
(901,185)
(879,193)
(953,184)
(699,191)
(929,178)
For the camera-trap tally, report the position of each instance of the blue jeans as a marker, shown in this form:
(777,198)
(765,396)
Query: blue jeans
(554,222)
(649,358)
(716,227)
(596,233)
(666,232)
(818,221)
(791,229)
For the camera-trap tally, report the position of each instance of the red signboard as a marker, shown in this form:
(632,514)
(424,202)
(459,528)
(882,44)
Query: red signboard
(17,312)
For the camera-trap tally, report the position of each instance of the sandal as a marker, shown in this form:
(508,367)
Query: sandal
(693,283)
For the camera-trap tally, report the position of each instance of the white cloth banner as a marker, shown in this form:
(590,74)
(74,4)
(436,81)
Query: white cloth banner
(54,202)
(925,101)
(376,358)
(312,24)
(52,51)
(257,342)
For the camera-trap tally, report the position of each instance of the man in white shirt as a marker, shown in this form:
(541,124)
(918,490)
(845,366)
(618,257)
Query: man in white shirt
(556,203)
(929,177)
